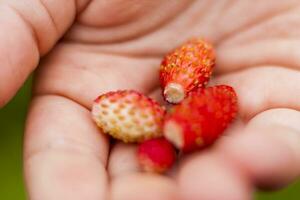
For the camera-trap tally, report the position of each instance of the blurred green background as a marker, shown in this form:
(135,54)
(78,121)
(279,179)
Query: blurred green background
(12,124)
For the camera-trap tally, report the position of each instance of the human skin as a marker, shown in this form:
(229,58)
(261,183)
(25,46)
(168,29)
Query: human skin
(89,47)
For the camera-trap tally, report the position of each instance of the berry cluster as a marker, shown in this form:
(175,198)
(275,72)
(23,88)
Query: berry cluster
(199,117)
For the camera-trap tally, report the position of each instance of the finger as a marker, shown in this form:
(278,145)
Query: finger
(65,154)
(209,176)
(244,159)
(92,74)
(123,160)
(143,186)
(29,30)
(263,88)
(269,149)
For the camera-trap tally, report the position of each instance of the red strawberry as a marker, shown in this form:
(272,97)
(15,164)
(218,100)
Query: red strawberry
(187,68)
(128,115)
(156,155)
(201,118)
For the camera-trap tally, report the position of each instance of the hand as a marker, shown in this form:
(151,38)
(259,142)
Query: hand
(110,45)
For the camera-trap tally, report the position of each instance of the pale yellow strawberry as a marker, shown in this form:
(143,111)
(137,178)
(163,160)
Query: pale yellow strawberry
(128,115)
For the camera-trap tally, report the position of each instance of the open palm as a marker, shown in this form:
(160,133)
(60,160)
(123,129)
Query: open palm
(110,45)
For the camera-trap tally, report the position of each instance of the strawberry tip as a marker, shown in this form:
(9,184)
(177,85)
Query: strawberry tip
(174,93)
(173,133)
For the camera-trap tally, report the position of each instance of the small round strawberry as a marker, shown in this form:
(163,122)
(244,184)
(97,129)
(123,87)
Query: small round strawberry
(185,69)
(156,155)
(201,118)
(128,115)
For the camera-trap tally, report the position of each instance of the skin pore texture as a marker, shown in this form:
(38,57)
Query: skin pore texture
(89,47)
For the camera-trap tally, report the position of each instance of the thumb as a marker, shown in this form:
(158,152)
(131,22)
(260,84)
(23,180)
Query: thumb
(29,29)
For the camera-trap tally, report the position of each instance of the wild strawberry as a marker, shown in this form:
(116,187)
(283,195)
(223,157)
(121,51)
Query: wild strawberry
(201,118)
(187,68)
(156,155)
(128,115)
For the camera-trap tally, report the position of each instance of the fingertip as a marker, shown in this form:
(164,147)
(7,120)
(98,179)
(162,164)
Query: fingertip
(123,160)
(269,161)
(143,186)
(65,175)
(208,176)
